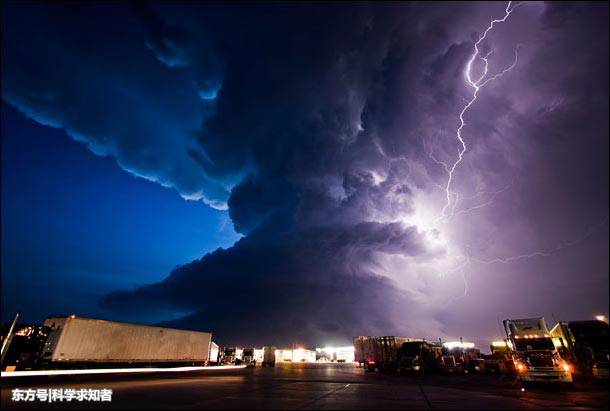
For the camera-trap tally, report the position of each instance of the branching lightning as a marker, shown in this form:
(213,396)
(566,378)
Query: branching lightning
(543,253)
(476,84)
(453,201)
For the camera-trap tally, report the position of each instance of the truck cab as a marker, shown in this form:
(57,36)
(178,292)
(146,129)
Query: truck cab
(248,358)
(417,357)
(449,365)
(535,357)
(585,344)
(229,356)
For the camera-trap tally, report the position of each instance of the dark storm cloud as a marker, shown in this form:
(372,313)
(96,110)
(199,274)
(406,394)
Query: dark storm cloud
(306,285)
(86,69)
(314,118)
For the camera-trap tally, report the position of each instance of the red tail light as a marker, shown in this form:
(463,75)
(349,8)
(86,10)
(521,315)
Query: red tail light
(371,362)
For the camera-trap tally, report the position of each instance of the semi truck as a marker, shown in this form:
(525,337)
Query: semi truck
(75,342)
(364,351)
(229,356)
(268,356)
(379,353)
(535,357)
(585,345)
(465,357)
(248,358)
(499,361)
(419,357)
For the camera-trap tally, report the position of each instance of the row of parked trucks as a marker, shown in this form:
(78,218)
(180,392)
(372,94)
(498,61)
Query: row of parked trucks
(570,349)
(246,356)
(267,356)
(530,351)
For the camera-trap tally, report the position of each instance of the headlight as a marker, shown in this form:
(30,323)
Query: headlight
(566,367)
(520,366)
(416,367)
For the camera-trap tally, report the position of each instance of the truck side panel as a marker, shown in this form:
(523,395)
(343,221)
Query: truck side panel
(90,340)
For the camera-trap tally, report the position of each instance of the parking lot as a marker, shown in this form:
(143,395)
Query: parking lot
(314,386)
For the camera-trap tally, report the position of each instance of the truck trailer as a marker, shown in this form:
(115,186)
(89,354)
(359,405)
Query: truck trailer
(533,353)
(379,352)
(79,342)
(585,345)
(214,353)
(268,356)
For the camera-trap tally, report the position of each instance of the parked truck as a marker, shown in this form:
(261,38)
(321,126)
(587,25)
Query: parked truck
(268,356)
(464,354)
(533,353)
(248,358)
(229,356)
(364,351)
(379,353)
(85,342)
(499,361)
(419,357)
(585,345)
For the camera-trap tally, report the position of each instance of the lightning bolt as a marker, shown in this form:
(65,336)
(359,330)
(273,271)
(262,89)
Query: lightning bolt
(489,201)
(476,84)
(452,197)
(544,253)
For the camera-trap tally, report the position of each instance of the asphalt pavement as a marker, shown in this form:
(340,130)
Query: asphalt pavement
(309,386)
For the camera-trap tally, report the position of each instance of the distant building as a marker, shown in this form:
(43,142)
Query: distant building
(295,355)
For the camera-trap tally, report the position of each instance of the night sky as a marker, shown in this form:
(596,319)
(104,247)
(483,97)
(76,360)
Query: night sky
(293,172)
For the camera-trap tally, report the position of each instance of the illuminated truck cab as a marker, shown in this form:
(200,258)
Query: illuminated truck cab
(535,357)
(585,345)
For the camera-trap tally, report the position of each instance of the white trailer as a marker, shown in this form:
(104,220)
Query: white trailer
(74,340)
(214,351)
(364,349)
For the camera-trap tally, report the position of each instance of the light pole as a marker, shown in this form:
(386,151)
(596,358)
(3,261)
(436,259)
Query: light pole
(8,339)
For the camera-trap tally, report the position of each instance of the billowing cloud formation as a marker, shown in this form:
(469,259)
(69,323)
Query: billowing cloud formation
(329,125)
(87,70)
(317,283)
